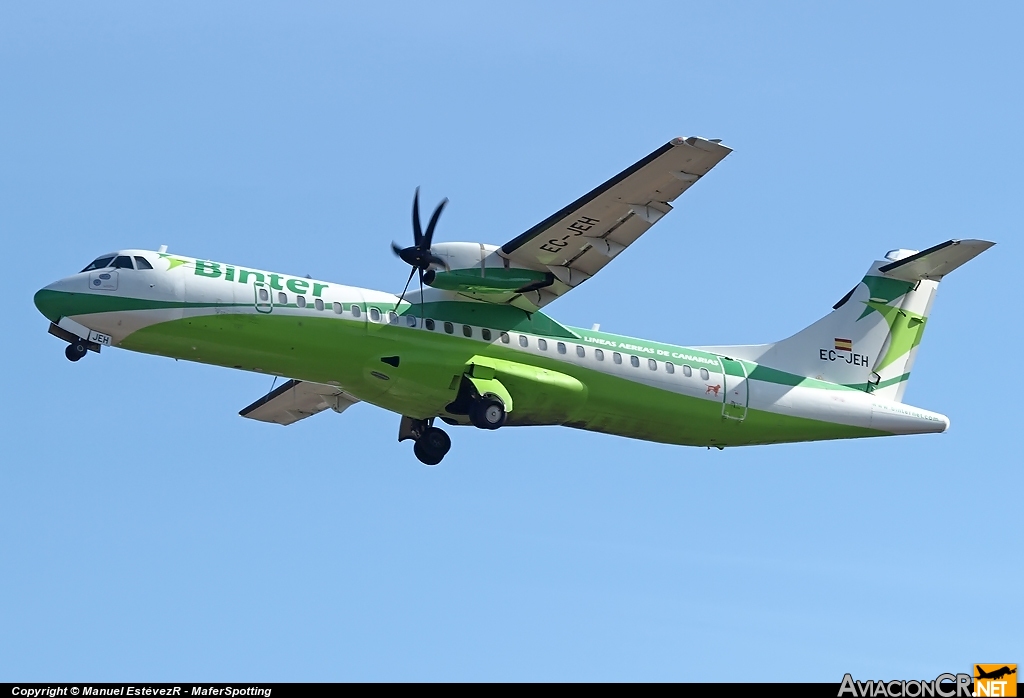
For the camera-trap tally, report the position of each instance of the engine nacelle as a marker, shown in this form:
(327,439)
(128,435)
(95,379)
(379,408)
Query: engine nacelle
(473,267)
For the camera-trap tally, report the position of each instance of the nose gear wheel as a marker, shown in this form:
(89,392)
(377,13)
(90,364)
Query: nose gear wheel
(75,350)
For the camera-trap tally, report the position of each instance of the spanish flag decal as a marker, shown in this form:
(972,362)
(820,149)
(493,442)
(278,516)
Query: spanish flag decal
(844,344)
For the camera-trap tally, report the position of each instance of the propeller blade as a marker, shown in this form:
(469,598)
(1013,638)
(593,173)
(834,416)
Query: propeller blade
(407,282)
(417,232)
(396,249)
(433,222)
(434,259)
(421,298)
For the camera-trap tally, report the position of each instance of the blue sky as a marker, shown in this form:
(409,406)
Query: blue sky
(147,532)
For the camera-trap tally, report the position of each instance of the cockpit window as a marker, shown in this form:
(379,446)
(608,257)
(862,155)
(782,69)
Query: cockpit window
(142,263)
(99,263)
(123,262)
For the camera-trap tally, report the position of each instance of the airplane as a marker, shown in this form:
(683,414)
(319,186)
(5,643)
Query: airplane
(994,674)
(474,345)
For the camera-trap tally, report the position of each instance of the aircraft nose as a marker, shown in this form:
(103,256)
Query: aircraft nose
(48,303)
(55,301)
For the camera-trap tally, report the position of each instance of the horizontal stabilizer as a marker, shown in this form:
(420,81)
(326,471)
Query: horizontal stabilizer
(936,262)
(297,400)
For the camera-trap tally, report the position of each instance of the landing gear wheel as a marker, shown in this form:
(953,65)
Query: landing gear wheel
(432,446)
(75,351)
(487,413)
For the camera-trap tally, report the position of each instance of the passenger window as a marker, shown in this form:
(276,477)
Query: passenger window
(704,374)
(300,301)
(318,304)
(580,351)
(430,324)
(392,317)
(504,338)
(524,341)
(374,313)
(687,371)
(264,296)
(486,334)
(617,357)
(670,367)
(282,299)
(337,308)
(652,364)
(467,331)
(634,362)
(542,344)
(142,263)
(599,355)
(410,320)
(356,312)
(123,262)
(449,327)
(561,347)
(101,263)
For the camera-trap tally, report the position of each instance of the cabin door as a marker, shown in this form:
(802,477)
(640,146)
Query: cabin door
(264,297)
(736,395)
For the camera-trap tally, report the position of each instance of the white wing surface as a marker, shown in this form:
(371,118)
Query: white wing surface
(297,400)
(578,241)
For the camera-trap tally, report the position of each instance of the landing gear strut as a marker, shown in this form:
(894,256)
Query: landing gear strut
(75,350)
(431,444)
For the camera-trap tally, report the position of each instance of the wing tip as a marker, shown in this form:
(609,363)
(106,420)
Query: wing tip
(709,144)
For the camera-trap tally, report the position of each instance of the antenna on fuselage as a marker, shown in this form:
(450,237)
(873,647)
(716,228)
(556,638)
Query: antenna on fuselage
(163,248)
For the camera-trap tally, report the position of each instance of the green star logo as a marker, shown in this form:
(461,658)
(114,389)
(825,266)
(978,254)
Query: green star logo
(173,261)
(882,291)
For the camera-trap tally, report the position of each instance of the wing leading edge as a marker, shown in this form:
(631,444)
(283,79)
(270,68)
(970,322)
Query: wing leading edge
(578,241)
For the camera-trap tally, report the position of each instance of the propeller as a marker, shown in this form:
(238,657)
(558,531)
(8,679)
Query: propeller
(419,256)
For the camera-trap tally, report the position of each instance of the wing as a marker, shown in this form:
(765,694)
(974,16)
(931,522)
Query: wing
(297,400)
(576,243)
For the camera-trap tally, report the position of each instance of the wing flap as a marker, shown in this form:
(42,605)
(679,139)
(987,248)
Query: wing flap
(297,400)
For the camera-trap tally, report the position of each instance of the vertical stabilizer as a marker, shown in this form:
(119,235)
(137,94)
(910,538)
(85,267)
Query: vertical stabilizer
(871,337)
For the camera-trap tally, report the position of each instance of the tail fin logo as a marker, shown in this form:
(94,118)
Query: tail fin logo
(995,680)
(844,344)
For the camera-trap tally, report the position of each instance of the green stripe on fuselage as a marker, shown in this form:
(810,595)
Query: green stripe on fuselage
(347,352)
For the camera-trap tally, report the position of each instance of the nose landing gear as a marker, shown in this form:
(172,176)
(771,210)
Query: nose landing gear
(77,346)
(75,350)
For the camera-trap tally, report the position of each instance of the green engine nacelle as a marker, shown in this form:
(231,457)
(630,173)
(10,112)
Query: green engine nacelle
(488,280)
(478,268)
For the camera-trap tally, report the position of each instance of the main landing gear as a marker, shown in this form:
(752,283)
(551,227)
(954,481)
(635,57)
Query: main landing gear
(76,350)
(430,445)
(487,412)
